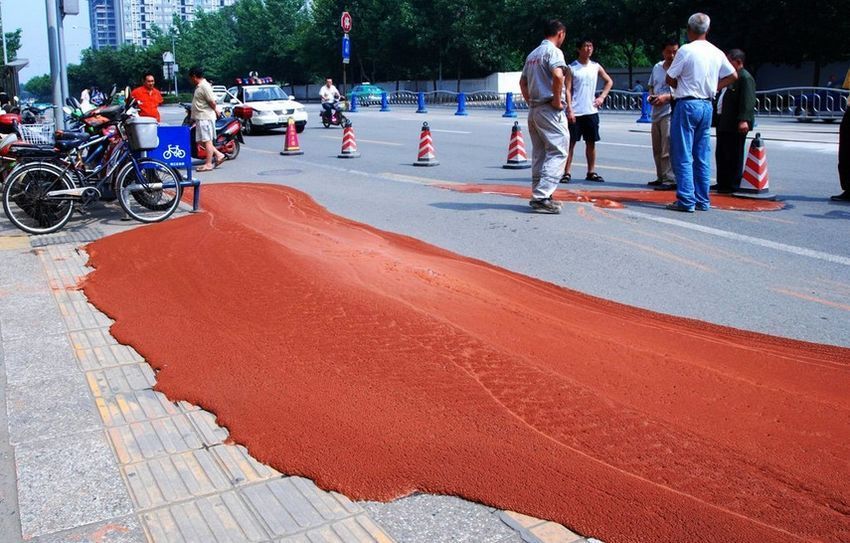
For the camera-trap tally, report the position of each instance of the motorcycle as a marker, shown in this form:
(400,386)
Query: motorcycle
(228,136)
(333,115)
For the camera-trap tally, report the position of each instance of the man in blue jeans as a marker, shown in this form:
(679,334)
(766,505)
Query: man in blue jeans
(697,73)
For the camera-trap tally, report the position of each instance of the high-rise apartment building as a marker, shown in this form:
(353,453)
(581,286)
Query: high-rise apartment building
(105,22)
(130,21)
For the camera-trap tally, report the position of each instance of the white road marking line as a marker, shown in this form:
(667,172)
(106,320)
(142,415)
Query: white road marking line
(449,131)
(792,249)
(640,146)
(784,247)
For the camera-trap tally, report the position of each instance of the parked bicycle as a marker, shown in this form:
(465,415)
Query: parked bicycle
(40,196)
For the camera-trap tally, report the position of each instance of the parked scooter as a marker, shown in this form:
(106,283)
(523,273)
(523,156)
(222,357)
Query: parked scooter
(333,115)
(228,136)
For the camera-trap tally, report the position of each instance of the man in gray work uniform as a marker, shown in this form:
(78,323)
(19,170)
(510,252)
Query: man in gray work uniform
(542,86)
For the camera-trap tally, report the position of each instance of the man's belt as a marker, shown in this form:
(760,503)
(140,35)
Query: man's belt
(686,98)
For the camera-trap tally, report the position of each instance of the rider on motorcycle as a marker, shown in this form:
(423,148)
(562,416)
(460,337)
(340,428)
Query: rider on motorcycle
(330,98)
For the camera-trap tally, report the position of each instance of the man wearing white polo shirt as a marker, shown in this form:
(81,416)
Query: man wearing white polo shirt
(697,73)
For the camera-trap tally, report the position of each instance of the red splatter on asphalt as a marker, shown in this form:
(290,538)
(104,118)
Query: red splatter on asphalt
(378,365)
(614,198)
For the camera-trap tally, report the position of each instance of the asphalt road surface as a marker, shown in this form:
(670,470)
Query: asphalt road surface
(785,273)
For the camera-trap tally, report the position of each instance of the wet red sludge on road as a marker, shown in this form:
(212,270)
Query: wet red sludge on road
(379,365)
(615,198)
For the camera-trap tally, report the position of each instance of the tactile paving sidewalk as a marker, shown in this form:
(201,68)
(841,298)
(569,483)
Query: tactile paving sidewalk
(102,457)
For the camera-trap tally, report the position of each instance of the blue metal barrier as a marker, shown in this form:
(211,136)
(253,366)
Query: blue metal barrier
(385,105)
(352,104)
(420,103)
(461,104)
(645,109)
(175,149)
(509,106)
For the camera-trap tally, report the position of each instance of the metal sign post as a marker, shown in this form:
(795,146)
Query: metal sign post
(345,22)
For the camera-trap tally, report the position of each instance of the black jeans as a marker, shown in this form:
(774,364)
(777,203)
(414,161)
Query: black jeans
(730,159)
(844,152)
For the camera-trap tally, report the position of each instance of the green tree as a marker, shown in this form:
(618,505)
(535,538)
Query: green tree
(13,43)
(40,86)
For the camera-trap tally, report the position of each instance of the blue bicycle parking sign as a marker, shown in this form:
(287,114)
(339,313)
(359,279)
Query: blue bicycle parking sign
(174,147)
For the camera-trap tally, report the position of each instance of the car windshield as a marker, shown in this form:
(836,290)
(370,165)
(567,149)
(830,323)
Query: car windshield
(261,94)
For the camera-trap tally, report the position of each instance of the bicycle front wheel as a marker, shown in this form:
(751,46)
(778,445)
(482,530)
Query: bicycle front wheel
(150,193)
(30,198)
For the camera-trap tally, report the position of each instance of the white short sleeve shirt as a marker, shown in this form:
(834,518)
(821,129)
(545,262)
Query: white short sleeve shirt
(698,67)
(585,79)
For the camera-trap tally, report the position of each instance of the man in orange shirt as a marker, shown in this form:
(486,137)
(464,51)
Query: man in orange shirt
(148,97)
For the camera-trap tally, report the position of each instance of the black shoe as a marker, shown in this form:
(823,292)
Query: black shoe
(678,206)
(566,178)
(843,197)
(545,205)
(593,176)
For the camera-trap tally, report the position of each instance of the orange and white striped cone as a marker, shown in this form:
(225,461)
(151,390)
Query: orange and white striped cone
(349,143)
(517,159)
(754,183)
(290,144)
(427,156)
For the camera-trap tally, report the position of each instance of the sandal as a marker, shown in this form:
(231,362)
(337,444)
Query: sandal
(593,176)
(205,169)
(217,163)
(566,178)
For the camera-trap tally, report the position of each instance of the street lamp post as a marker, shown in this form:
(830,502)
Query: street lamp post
(55,60)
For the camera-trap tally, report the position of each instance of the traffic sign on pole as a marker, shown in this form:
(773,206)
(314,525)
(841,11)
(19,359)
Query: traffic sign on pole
(345,21)
(346,49)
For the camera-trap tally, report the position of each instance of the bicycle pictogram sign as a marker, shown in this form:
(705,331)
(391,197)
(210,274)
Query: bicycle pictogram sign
(173,150)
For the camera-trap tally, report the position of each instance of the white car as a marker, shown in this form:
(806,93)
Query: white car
(270,107)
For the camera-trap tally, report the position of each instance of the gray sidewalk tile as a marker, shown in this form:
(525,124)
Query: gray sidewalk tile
(128,407)
(426,518)
(64,266)
(96,349)
(175,478)
(21,270)
(29,316)
(210,432)
(56,407)
(122,379)
(30,362)
(146,440)
(78,313)
(240,467)
(68,482)
(278,507)
(122,530)
(221,518)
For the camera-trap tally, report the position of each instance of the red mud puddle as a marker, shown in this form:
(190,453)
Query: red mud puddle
(614,198)
(379,365)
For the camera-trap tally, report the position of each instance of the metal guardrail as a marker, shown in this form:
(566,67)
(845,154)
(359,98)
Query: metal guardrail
(803,103)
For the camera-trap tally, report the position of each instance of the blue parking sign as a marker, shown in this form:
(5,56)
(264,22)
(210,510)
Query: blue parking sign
(346,49)
(174,149)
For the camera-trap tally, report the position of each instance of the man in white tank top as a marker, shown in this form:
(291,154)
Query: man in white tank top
(583,114)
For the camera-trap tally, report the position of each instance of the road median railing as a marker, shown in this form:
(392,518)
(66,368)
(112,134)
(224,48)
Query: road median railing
(803,103)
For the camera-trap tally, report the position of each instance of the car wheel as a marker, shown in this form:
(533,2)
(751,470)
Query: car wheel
(248,127)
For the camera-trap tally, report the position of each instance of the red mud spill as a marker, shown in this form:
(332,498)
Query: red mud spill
(379,365)
(614,198)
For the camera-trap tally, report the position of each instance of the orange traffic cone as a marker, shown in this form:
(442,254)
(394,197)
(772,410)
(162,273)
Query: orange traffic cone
(427,157)
(290,145)
(517,159)
(349,144)
(754,183)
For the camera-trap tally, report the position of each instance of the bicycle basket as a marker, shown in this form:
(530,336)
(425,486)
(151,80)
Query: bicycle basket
(142,133)
(41,133)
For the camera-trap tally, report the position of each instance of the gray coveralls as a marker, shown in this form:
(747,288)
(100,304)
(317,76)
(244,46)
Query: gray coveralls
(547,126)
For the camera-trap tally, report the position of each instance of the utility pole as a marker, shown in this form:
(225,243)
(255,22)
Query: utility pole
(63,61)
(55,60)
(3,34)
